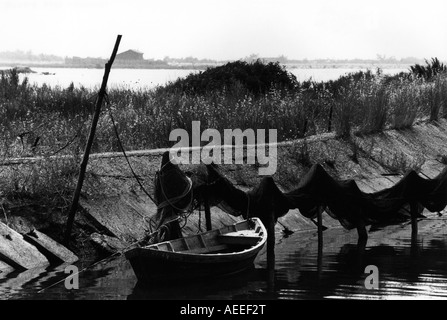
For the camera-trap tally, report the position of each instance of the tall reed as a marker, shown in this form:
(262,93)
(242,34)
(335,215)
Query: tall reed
(362,102)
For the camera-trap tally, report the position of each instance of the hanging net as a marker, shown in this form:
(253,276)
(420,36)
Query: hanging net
(318,191)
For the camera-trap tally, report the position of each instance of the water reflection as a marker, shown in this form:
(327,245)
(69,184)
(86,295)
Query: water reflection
(19,284)
(416,269)
(242,285)
(408,268)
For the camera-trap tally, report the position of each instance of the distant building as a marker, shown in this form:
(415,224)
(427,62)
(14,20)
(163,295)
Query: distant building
(132,55)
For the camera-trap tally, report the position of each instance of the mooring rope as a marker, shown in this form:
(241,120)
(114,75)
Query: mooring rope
(171,201)
(151,220)
(124,152)
(4,212)
(66,145)
(95,263)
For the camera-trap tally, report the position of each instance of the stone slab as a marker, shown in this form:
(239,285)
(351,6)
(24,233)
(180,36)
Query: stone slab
(431,168)
(124,216)
(5,268)
(54,251)
(17,252)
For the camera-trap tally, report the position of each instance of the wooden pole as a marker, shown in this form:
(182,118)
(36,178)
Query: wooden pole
(414,220)
(271,245)
(329,126)
(414,251)
(207,213)
(320,245)
(320,232)
(271,250)
(83,167)
(362,234)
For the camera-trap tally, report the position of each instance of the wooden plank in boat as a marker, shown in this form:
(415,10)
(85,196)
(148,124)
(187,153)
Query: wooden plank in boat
(216,248)
(242,233)
(243,237)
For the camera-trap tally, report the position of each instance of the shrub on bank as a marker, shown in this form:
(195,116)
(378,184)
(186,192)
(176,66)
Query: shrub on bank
(256,78)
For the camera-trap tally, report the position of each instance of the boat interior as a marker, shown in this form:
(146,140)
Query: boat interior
(231,238)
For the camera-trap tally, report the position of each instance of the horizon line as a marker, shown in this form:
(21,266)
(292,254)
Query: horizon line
(378,58)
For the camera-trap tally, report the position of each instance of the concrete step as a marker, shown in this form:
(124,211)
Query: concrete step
(17,252)
(54,251)
(5,268)
(123,216)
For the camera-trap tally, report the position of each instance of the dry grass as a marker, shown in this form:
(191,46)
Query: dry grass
(61,118)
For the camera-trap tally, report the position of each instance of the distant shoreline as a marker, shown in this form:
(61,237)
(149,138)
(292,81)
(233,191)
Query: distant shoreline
(115,66)
(205,66)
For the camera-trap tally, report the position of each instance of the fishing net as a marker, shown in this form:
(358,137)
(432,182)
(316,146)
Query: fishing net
(173,188)
(318,191)
(173,194)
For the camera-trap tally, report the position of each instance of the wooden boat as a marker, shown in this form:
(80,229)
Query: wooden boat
(227,250)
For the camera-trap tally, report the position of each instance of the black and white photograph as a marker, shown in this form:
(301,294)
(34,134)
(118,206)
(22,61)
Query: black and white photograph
(229,157)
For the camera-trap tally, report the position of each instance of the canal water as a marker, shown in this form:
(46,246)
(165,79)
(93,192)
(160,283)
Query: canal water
(407,269)
(149,78)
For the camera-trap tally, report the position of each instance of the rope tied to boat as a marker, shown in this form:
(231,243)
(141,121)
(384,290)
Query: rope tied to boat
(162,228)
(123,151)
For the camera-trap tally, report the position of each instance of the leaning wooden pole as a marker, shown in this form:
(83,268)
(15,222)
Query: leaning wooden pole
(83,167)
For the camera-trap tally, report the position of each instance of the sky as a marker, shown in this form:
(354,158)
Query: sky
(227,29)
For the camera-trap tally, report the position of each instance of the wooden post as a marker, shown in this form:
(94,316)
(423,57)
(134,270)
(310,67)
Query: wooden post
(320,244)
(320,232)
(414,251)
(329,126)
(83,167)
(207,213)
(271,250)
(414,220)
(362,233)
(271,241)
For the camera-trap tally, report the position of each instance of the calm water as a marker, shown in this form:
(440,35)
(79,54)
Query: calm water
(407,270)
(149,78)
(91,78)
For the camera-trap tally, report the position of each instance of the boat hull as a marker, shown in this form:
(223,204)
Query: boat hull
(215,253)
